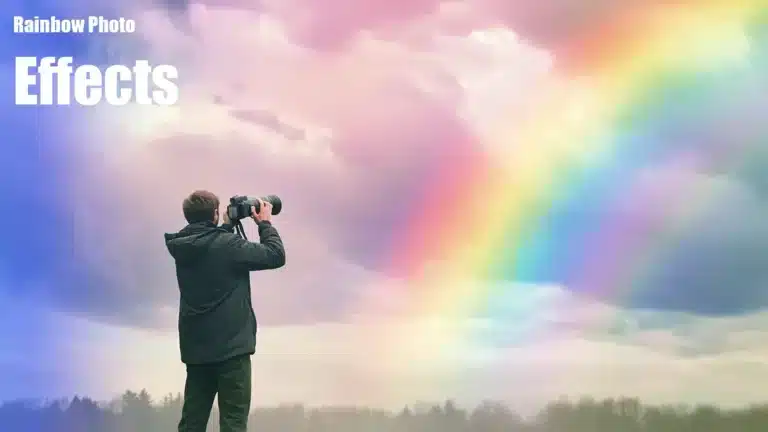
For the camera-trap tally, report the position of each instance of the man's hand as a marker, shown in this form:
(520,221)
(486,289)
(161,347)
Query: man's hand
(226,217)
(265,213)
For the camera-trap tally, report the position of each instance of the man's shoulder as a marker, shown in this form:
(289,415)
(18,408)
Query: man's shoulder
(223,232)
(226,236)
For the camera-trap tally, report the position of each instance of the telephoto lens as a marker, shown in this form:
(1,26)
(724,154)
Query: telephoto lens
(277,204)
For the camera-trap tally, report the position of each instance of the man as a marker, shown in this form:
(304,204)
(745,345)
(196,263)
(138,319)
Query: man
(217,326)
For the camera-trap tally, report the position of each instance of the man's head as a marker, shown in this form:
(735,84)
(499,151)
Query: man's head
(201,206)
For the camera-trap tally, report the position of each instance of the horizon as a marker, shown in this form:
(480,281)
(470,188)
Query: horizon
(137,411)
(419,406)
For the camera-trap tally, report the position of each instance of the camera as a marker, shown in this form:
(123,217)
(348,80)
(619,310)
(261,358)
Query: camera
(240,206)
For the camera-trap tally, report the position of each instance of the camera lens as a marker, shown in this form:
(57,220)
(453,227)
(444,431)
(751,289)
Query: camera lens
(277,204)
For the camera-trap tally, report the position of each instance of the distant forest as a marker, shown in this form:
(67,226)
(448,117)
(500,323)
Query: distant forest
(138,412)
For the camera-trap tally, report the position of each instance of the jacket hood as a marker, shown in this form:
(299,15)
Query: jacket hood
(192,242)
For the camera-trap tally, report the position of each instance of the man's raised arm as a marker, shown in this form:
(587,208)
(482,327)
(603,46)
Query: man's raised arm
(269,253)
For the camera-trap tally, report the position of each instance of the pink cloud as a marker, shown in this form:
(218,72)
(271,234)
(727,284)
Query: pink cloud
(328,24)
(337,215)
(398,129)
(271,121)
(331,25)
(343,211)
(565,28)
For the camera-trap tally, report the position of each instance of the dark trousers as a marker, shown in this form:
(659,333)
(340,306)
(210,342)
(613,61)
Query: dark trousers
(231,380)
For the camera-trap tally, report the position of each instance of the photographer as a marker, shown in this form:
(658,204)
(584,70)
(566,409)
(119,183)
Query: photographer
(217,325)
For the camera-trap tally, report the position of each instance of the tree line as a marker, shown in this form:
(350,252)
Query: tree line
(138,412)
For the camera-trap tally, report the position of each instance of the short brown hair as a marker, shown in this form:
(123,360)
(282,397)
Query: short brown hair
(200,206)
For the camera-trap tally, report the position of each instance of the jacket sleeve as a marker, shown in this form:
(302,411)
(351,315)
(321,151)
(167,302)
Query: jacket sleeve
(268,254)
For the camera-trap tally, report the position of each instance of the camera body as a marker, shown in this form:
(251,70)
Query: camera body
(240,206)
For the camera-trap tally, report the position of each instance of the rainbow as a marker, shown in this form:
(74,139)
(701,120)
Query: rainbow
(501,216)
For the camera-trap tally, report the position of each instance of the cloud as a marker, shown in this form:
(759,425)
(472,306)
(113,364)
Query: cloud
(355,138)
(563,28)
(701,256)
(270,120)
(325,25)
(119,270)
(347,191)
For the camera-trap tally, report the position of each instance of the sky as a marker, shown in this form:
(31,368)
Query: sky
(589,183)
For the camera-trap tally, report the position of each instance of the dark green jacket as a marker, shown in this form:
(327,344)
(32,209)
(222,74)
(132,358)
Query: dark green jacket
(213,265)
